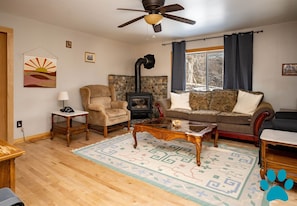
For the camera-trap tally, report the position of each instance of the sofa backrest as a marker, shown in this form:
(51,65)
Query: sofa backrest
(200,100)
(222,100)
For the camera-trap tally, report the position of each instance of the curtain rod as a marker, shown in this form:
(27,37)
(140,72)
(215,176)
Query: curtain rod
(206,38)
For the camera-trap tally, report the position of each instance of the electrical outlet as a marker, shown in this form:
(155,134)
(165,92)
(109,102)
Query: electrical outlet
(19,124)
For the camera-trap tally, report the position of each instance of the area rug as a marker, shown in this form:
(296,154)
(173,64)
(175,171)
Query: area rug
(227,175)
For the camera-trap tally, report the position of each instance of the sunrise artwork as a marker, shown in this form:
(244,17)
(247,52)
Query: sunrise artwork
(40,72)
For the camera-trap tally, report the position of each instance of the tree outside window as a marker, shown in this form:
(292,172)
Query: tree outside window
(205,69)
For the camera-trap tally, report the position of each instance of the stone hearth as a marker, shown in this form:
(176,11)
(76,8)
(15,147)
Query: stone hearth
(157,85)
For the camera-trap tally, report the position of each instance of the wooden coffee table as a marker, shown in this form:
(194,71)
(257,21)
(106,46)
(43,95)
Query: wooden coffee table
(165,129)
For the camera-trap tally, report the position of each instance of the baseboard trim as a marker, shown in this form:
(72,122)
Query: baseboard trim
(33,138)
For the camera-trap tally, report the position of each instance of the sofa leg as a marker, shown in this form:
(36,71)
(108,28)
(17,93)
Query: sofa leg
(257,142)
(105,131)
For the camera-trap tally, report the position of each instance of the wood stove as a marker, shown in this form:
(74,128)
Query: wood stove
(140,103)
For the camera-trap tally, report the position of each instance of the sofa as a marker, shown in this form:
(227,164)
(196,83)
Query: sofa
(239,114)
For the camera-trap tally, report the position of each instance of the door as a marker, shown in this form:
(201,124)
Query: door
(3,85)
(6,85)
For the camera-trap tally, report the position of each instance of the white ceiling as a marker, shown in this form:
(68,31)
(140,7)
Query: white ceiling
(101,17)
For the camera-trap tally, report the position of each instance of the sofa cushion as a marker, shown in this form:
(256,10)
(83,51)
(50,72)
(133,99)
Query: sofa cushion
(285,124)
(247,102)
(200,100)
(178,113)
(223,100)
(286,115)
(234,118)
(204,115)
(180,101)
(237,128)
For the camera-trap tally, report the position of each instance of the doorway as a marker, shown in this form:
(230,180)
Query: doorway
(6,84)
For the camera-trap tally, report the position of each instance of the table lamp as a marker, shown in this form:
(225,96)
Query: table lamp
(63,96)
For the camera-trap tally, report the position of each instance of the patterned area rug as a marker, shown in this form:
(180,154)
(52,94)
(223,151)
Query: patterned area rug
(227,175)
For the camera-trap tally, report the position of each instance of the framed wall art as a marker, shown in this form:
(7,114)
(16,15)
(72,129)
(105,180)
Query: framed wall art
(289,69)
(68,44)
(40,71)
(90,57)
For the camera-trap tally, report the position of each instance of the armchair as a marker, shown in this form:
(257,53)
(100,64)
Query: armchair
(104,110)
(285,121)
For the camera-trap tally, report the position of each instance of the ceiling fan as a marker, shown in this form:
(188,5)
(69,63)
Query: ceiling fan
(156,11)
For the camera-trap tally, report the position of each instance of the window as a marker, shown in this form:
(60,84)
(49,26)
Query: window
(205,69)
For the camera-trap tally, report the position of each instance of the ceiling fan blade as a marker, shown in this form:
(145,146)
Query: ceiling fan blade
(178,18)
(131,21)
(157,28)
(123,9)
(170,8)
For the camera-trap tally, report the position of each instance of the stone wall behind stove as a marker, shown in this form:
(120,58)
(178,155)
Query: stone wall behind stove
(157,85)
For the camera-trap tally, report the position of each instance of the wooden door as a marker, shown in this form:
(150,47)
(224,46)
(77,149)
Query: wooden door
(3,85)
(6,85)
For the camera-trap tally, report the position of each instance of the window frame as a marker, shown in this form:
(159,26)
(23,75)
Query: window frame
(205,49)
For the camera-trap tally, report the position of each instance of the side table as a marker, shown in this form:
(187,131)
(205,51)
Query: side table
(278,158)
(69,126)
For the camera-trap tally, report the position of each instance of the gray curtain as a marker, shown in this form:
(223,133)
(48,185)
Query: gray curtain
(238,62)
(178,76)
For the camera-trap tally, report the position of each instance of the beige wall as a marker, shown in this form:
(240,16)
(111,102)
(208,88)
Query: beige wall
(276,45)
(34,105)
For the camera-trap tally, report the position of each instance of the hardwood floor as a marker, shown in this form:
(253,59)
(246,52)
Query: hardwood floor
(50,174)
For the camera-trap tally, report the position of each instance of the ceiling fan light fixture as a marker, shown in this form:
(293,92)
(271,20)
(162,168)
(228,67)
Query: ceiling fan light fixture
(153,19)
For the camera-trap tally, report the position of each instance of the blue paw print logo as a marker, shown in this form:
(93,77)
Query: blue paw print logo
(276,192)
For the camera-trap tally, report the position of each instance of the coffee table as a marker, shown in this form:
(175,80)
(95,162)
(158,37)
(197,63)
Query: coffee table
(170,129)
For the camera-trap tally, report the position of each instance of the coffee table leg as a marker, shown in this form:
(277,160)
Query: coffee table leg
(215,143)
(135,139)
(198,150)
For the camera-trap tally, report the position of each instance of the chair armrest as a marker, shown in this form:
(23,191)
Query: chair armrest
(285,124)
(119,104)
(96,107)
(286,115)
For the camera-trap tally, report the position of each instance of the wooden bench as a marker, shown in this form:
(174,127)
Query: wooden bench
(279,158)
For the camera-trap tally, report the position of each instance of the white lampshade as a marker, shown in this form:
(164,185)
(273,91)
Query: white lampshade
(63,96)
(153,19)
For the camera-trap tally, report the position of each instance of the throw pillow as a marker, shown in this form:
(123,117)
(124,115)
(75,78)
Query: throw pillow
(247,102)
(200,100)
(180,101)
(223,100)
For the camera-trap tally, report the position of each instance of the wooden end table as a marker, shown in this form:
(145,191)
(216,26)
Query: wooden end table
(278,158)
(163,128)
(69,126)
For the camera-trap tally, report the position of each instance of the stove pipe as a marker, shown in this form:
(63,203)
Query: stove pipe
(148,62)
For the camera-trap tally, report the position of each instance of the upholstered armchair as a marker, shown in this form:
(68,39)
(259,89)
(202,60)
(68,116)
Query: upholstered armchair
(104,110)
